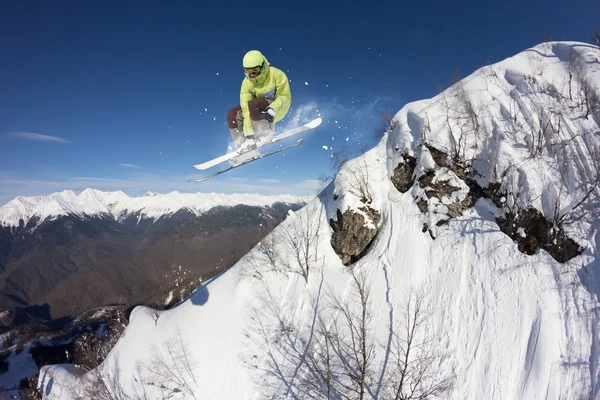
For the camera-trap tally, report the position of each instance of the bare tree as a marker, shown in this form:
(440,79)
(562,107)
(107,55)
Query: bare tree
(266,259)
(301,239)
(357,176)
(170,371)
(413,373)
(334,354)
(172,368)
(447,119)
(352,340)
(590,100)
(577,211)
(573,67)
(319,358)
(104,385)
(467,119)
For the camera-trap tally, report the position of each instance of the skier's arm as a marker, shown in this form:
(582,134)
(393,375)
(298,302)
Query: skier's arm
(283,100)
(245,97)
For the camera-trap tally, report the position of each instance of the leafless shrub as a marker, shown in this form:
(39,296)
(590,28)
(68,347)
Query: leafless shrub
(352,340)
(413,373)
(590,99)
(461,114)
(447,119)
(580,208)
(267,259)
(549,126)
(320,356)
(335,355)
(301,239)
(426,130)
(270,251)
(468,121)
(574,68)
(170,371)
(357,176)
(172,368)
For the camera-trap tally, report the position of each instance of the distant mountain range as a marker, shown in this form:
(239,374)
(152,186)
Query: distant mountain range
(119,206)
(66,253)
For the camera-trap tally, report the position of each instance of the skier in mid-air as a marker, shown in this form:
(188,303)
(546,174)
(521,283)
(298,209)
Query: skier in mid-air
(265,98)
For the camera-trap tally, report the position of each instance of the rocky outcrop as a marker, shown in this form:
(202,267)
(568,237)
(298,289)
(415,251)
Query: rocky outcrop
(532,232)
(353,233)
(450,189)
(403,177)
(446,195)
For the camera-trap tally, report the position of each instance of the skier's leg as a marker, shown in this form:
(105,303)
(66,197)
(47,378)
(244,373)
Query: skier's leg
(234,121)
(262,128)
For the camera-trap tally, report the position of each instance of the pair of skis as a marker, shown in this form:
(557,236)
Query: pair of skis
(227,157)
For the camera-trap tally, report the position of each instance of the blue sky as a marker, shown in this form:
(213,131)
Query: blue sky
(128,95)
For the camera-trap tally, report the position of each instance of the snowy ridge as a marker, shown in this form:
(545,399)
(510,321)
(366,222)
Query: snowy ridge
(504,325)
(118,205)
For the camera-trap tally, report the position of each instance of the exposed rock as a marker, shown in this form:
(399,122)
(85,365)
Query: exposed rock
(533,232)
(442,159)
(422,204)
(529,228)
(351,236)
(438,189)
(442,190)
(403,178)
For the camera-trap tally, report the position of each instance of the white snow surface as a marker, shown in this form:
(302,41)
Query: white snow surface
(510,326)
(118,205)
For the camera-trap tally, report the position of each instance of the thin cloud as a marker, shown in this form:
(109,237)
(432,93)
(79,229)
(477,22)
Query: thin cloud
(130,166)
(38,137)
(269,181)
(238,180)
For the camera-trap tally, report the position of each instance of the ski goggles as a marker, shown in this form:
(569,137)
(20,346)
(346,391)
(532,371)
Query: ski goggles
(253,72)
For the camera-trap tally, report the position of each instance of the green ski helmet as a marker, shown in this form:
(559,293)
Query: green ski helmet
(253,58)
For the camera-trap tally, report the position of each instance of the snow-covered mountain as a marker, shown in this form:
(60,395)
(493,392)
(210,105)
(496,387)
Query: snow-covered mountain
(119,206)
(456,259)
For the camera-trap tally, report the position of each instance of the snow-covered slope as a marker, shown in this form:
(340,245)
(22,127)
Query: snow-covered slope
(118,205)
(495,323)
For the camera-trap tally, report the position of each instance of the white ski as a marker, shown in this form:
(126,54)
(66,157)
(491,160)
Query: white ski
(226,157)
(258,157)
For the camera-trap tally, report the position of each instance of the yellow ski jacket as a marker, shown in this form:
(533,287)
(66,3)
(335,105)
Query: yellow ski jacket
(273,85)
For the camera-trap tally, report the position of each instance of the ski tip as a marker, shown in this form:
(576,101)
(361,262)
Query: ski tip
(315,122)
